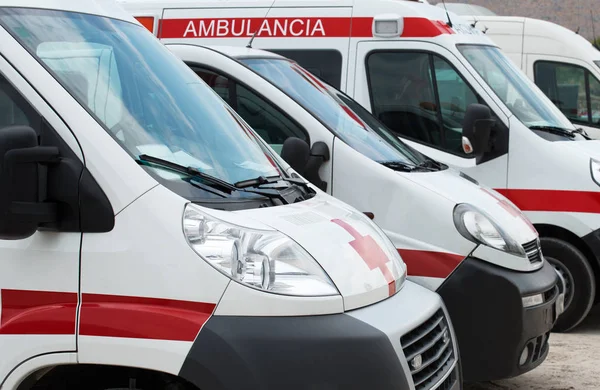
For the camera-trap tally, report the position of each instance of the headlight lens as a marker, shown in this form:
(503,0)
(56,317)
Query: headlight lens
(478,227)
(263,259)
(595,170)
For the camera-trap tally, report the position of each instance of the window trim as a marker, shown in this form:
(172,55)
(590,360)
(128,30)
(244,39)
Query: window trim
(236,82)
(430,54)
(588,94)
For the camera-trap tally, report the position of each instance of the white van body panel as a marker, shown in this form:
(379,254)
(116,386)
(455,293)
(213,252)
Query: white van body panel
(139,295)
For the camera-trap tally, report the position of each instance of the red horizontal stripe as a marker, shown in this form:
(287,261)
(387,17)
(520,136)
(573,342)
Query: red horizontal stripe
(142,318)
(554,200)
(38,312)
(293,27)
(430,264)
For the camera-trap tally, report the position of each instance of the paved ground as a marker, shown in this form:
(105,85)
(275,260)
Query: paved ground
(572,364)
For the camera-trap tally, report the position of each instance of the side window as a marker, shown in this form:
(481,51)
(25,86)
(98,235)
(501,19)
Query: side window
(595,100)
(217,82)
(14,111)
(455,96)
(420,96)
(565,85)
(270,123)
(325,64)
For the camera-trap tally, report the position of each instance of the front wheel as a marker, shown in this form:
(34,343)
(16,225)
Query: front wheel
(580,289)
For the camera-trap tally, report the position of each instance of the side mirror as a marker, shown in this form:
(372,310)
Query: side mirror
(23,182)
(477,129)
(305,161)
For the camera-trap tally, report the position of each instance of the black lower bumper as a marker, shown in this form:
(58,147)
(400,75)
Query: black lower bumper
(490,322)
(317,353)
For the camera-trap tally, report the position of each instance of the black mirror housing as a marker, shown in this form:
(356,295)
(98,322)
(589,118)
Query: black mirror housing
(23,182)
(477,129)
(305,161)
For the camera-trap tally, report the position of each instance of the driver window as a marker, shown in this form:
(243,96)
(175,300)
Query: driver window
(566,86)
(420,96)
(269,122)
(455,96)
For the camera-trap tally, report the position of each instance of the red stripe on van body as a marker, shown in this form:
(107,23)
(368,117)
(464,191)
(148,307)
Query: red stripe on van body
(142,318)
(429,263)
(554,200)
(38,312)
(293,27)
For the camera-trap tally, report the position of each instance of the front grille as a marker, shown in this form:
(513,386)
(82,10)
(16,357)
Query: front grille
(533,250)
(431,345)
(537,348)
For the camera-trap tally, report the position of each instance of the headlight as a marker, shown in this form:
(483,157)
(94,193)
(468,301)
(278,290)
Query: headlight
(476,226)
(595,169)
(263,259)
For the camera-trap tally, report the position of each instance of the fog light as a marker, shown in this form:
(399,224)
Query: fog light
(533,300)
(524,356)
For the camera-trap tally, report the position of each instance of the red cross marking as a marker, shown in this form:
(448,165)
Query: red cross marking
(511,209)
(370,252)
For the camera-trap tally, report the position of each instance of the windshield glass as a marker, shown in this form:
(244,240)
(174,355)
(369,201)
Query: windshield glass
(343,116)
(149,101)
(520,94)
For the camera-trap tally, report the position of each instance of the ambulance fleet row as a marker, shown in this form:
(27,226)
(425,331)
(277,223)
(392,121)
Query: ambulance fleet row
(338,211)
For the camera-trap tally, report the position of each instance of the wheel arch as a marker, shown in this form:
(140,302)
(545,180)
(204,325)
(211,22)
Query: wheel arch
(117,376)
(547,230)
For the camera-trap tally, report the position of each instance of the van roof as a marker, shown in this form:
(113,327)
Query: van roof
(108,8)
(571,44)
(242,52)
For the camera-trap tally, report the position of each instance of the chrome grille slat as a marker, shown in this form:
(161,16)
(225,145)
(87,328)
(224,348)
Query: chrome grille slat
(533,249)
(440,365)
(429,344)
(430,355)
(426,330)
(433,359)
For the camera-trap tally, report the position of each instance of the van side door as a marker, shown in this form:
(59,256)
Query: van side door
(421,93)
(39,275)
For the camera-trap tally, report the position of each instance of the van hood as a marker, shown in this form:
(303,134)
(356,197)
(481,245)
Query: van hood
(590,147)
(460,188)
(358,257)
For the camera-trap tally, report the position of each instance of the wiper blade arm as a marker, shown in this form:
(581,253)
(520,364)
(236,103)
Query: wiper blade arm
(398,165)
(257,182)
(554,130)
(187,170)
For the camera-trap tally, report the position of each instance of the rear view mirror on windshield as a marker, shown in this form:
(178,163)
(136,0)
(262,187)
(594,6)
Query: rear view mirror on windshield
(305,161)
(477,127)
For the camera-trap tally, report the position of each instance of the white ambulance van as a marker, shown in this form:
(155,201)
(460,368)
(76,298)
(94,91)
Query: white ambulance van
(476,250)
(563,64)
(420,74)
(139,249)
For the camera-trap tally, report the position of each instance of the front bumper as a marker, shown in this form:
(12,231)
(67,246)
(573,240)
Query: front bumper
(360,349)
(492,326)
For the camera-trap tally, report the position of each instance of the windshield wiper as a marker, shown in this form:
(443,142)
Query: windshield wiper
(554,130)
(583,133)
(400,166)
(144,158)
(257,182)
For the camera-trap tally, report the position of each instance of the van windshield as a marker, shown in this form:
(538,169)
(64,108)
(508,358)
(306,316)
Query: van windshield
(343,116)
(148,100)
(521,95)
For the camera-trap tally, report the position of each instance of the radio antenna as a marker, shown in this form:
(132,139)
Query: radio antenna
(447,14)
(594,37)
(249,45)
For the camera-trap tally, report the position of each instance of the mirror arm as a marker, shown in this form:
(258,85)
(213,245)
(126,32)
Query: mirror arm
(43,212)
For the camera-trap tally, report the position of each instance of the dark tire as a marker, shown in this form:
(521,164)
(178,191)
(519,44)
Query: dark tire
(579,277)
